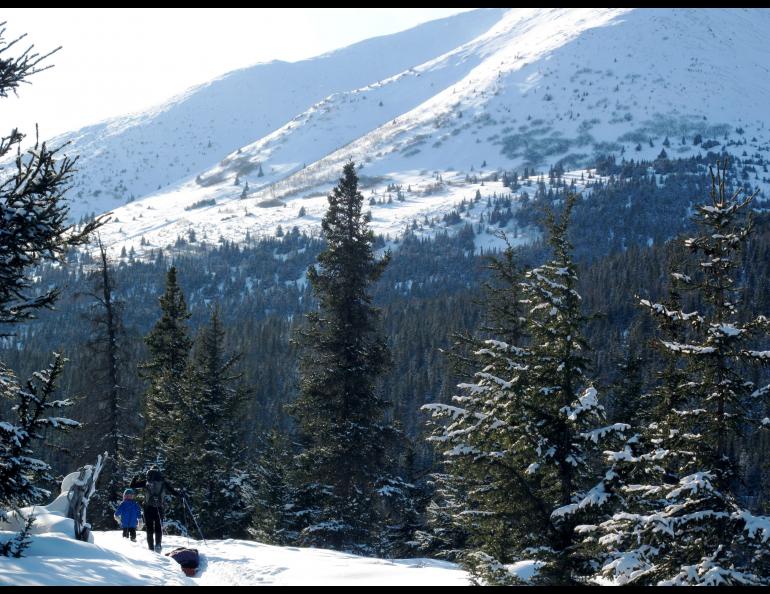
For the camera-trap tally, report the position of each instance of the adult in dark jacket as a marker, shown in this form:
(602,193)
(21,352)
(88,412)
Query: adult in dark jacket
(155,489)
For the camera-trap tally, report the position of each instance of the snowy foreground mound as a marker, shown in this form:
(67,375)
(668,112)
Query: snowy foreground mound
(55,559)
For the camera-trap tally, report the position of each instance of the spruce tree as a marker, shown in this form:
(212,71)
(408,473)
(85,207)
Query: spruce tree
(110,427)
(523,437)
(450,531)
(274,520)
(682,521)
(215,466)
(36,411)
(442,535)
(345,459)
(164,401)
(33,207)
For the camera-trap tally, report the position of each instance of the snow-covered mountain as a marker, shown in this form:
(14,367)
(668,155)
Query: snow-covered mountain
(129,157)
(424,110)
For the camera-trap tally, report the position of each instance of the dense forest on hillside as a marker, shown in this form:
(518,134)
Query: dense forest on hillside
(431,291)
(433,296)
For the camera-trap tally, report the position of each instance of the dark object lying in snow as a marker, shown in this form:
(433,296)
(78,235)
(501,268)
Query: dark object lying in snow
(187,558)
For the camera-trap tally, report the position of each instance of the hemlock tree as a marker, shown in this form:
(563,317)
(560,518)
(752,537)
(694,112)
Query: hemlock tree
(33,212)
(524,436)
(682,522)
(169,345)
(345,460)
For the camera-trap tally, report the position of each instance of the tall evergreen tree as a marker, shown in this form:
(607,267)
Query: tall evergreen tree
(450,530)
(216,466)
(164,401)
(523,437)
(345,458)
(682,521)
(110,427)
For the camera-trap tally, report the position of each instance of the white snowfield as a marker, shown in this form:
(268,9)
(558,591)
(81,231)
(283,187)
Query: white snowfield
(482,91)
(56,559)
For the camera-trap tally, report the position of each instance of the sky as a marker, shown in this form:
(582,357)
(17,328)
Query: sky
(117,61)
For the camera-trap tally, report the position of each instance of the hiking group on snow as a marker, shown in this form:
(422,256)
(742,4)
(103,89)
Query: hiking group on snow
(129,516)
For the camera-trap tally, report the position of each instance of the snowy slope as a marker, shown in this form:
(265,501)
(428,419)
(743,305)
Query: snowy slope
(534,88)
(55,559)
(128,157)
(567,84)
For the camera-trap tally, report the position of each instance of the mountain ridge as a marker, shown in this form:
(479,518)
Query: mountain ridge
(523,88)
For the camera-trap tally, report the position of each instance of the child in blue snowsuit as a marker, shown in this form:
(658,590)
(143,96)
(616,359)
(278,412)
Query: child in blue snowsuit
(128,514)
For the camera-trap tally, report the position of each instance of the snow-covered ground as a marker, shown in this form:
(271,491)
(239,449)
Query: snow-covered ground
(158,221)
(55,559)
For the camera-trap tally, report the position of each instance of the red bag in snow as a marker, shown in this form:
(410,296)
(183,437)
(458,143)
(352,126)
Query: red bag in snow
(187,558)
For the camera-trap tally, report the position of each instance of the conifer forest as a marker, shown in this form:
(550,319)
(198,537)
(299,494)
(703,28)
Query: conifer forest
(539,355)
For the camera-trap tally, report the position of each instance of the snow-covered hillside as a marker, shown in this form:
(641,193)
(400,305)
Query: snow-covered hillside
(126,158)
(466,96)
